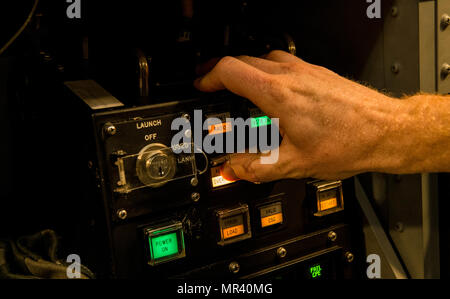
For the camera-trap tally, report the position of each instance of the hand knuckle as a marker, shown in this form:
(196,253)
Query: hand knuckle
(225,61)
(275,53)
(289,67)
(275,88)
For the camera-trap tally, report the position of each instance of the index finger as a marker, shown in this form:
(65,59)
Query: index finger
(244,80)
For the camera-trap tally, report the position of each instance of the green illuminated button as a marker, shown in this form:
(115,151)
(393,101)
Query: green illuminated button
(260,121)
(166,243)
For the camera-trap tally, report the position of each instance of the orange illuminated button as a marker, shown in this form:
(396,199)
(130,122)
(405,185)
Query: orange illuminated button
(328,199)
(233,231)
(233,226)
(219,128)
(271,214)
(328,204)
(220,181)
(217,179)
(271,220)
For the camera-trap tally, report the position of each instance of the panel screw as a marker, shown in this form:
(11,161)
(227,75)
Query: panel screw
(332,236)
(195,196)
(445,70)
(186,116)
(349,256)
(234,267)
(445,21)
(394,11)
(194,182)
(110,129)
(399,227)
(188,133)
(281,252)
(395,68)
(122,214)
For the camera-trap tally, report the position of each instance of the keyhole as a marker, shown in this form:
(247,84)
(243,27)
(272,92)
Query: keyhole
(161,171)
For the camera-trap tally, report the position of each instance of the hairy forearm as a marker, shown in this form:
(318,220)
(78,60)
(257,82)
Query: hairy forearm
(417,136)
(333,128)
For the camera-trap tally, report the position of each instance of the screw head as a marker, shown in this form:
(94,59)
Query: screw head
(110,129)
(281,252)
(349,256)
(194,182)
(186,116)
(188,133)
(122,214)
(234,267)
(445,21)
(195,196)
(399,227)
(445,70)
(394,11)
(395,68)
(332,236)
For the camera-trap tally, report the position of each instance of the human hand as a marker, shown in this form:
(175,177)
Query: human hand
(332,127)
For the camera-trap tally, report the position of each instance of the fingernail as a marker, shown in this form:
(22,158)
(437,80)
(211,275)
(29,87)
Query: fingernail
(227,172)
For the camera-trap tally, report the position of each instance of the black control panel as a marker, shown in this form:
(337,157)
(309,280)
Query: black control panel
(163,213)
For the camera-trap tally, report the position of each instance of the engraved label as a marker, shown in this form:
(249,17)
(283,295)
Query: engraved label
(148,124)
(233,231)
(233,221)
(270,210)
(185,159)
(150,137)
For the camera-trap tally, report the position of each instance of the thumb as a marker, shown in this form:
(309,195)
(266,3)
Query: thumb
(251,167)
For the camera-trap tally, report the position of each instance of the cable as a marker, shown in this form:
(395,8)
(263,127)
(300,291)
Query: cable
(27,21)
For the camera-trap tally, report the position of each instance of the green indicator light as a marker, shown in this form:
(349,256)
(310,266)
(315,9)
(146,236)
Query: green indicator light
(165,245)
(260,121)
(315,271)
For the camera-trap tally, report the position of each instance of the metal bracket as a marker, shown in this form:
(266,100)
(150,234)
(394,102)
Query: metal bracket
(379,232)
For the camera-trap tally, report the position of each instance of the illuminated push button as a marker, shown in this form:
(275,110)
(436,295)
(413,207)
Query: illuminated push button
(271,214)
(219,128)
(218,123)
(329,197)
(166,243)
(217,180)
(260,121)
(234,225)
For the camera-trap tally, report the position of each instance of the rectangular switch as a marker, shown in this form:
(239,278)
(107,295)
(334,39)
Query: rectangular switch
(233,224)
(271,214)
(327,197)
(165,243)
